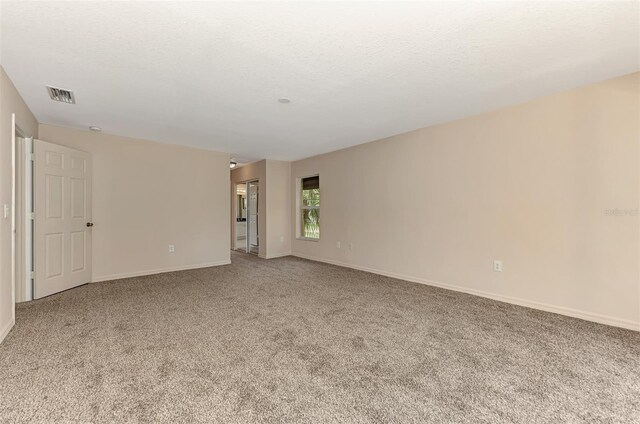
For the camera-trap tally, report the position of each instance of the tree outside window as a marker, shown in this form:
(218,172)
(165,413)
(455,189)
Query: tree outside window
(310,208)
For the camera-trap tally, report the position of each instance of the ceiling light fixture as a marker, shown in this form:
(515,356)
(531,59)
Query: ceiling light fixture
(232,164)
(284,100)
(95,129)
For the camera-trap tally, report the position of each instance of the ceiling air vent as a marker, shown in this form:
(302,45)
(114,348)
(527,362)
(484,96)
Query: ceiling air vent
(61,95)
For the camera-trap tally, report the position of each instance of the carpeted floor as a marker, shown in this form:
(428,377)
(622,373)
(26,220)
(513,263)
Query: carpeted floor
(290,340)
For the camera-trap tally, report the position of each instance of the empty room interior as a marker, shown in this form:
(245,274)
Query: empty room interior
(320,212)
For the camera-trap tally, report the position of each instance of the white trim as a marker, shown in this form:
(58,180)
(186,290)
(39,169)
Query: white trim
(13,221)
(260,192)
(157,271)
(6,330)
(27,218)
(574,313)
(277,255)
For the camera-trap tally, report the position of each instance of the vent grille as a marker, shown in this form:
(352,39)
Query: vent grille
(61,95)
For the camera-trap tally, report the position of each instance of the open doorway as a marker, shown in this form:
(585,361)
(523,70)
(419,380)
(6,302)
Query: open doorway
(247,234)
(52,220)
(241,217)
(23,224)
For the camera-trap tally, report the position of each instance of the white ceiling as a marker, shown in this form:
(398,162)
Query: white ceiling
(209,74)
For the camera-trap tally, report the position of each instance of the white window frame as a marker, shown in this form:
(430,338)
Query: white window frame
(300,207)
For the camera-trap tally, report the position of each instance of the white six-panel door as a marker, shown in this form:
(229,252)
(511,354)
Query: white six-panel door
(62,226)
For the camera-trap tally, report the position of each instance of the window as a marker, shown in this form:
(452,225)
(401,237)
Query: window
(310,207)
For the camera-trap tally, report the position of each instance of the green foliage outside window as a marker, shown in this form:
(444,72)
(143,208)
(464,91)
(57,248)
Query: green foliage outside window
(311,213)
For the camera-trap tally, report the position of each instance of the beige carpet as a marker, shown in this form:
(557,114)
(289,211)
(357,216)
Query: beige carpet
(290,340)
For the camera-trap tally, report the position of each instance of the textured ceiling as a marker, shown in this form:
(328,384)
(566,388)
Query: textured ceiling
(209,74)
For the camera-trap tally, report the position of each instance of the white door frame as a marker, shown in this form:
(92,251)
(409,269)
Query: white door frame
(27,220)
(21,190)
(248,246)
(17,181)
(235,212)
(14,131)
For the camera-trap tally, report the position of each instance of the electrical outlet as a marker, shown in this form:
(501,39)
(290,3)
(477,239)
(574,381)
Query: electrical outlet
(338,244)
(281,239)
(497,266)
(6,210)
(172,248)
(350,246)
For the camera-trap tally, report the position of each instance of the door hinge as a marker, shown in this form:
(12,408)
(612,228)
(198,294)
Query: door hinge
(32,215)
(32,157)
(33,275)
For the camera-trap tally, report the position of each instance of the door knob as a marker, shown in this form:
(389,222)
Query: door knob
(89,224)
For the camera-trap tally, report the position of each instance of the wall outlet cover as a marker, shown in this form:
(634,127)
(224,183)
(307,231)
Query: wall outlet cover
(497,266)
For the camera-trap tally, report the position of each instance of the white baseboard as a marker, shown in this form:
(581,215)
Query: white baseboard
(574,313)
(278,255)
(6,329)
(157,271)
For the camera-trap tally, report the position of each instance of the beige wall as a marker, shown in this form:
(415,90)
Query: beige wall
(250,172)
(529,185)
(10,102)
(148,195)
(278,199)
